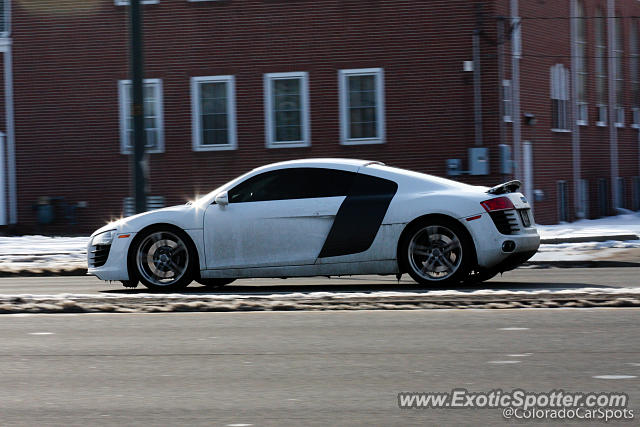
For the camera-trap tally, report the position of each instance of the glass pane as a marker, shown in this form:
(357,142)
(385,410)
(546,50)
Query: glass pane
(214,137)
(286,86)
(287,102)
(151,138)
(288,133)
(214,121)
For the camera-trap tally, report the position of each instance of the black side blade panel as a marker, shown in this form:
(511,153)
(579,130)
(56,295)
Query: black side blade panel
(360,216)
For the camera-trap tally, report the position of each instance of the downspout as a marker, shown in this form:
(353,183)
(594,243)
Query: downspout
(7,169)
(477,90)
(11,142)
(575,134)
(613,131)
(515,90)
(3,182)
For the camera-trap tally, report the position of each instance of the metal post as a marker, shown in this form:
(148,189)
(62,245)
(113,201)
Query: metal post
(139,168)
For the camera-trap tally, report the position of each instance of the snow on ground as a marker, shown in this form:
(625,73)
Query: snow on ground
(38,253)
(610,249)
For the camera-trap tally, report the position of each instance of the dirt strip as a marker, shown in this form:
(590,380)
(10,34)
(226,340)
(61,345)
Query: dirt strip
(292,302)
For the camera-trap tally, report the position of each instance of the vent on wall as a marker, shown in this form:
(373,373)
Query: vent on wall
(153,203)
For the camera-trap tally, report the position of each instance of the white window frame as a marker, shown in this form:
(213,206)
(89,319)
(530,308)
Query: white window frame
(269,116)
(343,76)
(196,116)
(507,101)
(559,82)
(124,113)
(126,2)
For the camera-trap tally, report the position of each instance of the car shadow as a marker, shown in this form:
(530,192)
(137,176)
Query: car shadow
(360,288)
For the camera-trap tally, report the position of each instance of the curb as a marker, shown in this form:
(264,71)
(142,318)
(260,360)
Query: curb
(158,303)
(585,239)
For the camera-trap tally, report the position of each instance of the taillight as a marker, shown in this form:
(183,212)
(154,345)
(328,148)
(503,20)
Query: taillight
(497,204)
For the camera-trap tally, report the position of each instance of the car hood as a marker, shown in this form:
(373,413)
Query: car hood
(184,216)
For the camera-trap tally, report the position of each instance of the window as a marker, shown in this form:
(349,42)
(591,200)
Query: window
(153,127)
(581,68)
(361,106)
(601,70)
(126,2)
(286,99)
(559,98)
(5,17)
(618,72)
(293,183)
(213,118)
(507,97)
(634,67)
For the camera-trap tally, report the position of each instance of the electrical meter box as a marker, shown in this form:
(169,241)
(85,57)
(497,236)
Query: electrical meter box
(479,161)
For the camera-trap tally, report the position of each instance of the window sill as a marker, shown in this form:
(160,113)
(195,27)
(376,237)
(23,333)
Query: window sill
(619,125)
(582,123)
(147,151)
(221,147)
(507,119)
(561,130)
(292,144)
(635,126)
(601,124)
(362,141)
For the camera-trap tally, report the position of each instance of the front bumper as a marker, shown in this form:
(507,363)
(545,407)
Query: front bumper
(115,267)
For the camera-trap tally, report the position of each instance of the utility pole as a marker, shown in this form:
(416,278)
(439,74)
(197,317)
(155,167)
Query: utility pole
(139,168)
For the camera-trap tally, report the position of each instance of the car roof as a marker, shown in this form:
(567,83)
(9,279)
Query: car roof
(322,162)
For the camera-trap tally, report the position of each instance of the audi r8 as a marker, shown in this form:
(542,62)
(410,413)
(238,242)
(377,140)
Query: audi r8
(322,217)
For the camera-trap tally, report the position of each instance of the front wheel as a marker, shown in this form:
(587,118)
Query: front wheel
(436,253)
(163,260)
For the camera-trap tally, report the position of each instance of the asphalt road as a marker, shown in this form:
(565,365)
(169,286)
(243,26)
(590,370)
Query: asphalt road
(519,279)
(302,368)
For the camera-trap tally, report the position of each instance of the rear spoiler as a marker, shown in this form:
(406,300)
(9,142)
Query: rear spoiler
(507,187)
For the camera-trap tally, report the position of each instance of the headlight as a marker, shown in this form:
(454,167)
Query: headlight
(103,238)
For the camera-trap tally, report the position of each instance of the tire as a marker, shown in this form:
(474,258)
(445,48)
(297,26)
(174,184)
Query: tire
(436,252)
(163,259)
(214,283)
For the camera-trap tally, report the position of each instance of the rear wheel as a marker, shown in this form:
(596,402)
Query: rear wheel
(163,259)
(436,253)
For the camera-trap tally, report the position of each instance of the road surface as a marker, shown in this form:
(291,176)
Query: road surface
(519,279)
(302,368)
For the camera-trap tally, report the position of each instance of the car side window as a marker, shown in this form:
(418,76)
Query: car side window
(292,183)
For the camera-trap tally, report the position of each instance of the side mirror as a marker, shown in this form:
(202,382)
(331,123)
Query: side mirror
(222,199)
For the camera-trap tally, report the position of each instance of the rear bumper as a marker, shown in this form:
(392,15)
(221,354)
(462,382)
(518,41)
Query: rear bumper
(489,244)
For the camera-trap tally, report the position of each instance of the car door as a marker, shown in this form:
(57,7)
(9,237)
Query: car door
(276,218)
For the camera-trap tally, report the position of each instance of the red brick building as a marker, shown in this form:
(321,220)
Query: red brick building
(231,85)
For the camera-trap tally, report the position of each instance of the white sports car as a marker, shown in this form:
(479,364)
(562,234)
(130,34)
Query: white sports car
(322,217)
